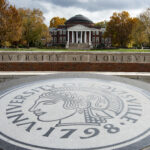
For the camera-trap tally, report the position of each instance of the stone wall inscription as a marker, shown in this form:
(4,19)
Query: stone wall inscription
(93,57)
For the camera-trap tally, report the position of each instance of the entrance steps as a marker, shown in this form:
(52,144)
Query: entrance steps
(83,46)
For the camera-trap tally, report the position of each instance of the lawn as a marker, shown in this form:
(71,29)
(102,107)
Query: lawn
(98,50)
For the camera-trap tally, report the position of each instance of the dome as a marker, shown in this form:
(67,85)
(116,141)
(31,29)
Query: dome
(79,19)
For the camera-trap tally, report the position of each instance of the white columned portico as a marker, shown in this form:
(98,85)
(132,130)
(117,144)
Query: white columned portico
(80,34)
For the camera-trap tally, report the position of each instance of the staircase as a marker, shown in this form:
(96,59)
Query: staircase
(83,46)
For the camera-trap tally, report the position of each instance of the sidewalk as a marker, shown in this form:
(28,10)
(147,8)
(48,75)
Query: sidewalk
(143,76)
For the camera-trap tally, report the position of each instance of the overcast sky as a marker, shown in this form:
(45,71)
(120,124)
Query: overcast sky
(96,10)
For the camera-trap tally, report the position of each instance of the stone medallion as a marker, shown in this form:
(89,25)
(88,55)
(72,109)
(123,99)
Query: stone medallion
(74,113)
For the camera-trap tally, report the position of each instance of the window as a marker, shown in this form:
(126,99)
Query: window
(103,40)
(97,32)
(93,39)
(93,32)
(97,39)
(64,39)
(106,40)
(60,32)
(55,39)
(64,32)
(109,40)
(61,39)
(55,32)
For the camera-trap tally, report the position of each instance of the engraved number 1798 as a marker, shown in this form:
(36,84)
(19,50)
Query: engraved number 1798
(89,132)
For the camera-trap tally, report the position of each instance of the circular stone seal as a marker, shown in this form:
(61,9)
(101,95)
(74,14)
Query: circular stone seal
(75,112)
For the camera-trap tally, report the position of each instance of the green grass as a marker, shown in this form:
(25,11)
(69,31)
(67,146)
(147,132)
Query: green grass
(100,50)
(126,50)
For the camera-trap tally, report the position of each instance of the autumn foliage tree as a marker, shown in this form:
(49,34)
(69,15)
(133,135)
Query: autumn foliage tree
(14,30)
(56,21)
(119,28)
(10,24)
(46,38)
(3,23)
(139,35)
(102,24)
(33,30)
(21,27)
(145,19)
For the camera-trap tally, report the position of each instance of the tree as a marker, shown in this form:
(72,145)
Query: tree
(119,28)
(46,38)
(145,19)
(14,31)
(3,21)
(102,24)
(33,22)
(10,24)
(56,21)
(138,34)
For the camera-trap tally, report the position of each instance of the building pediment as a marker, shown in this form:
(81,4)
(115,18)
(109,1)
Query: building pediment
(80,27)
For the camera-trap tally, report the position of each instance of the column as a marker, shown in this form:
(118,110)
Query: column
(81,37)
(68,37)
(85,38)
(72,37)
(89,37)
(76,36)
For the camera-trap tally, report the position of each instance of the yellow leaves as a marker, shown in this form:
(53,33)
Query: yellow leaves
(101,24)
(119,28)
(3,5)
(56,21)
(10,25)
(22,26)
(33,28)
(145,19)
(6,44)
(139,35)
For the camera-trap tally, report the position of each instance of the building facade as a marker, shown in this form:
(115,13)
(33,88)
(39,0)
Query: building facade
(79,33)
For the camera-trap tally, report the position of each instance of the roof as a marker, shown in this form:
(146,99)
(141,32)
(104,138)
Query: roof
(79,19)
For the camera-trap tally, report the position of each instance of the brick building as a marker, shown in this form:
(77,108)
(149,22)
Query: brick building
(79,33)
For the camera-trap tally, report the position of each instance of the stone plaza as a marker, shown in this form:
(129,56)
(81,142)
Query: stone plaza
(74,111)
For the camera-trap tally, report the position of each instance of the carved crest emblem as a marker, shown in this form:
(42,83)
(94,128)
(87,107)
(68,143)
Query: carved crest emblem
(74,114)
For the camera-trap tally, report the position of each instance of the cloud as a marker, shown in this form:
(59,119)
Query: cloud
(97,5)
(29,4)
(96,10)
